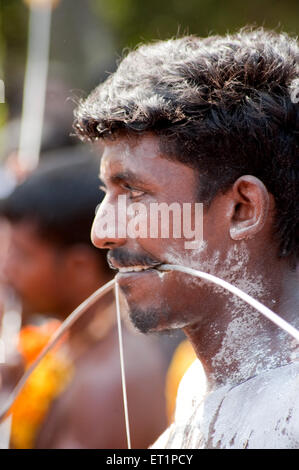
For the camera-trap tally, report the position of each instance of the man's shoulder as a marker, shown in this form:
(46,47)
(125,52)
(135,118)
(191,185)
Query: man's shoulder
(262,412)
(278,385)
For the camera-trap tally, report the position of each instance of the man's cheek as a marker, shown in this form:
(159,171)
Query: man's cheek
(148,290)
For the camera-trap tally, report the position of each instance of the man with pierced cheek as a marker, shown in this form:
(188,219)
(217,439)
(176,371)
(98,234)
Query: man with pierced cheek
(210,120)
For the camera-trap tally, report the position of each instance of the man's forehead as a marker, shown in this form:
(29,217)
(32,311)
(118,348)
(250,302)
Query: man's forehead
(130,157)
(142,160)
(123,149)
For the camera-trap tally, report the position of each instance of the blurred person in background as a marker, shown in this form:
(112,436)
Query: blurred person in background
(74,397)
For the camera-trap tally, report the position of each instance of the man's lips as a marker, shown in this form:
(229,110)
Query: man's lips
(134,272)
(138,268)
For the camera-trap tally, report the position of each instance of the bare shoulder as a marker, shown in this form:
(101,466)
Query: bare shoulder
(262,412)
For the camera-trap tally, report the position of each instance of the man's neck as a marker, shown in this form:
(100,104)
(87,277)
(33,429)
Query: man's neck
(239,342)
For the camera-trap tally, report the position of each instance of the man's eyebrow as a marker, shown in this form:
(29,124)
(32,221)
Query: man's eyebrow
(128,177)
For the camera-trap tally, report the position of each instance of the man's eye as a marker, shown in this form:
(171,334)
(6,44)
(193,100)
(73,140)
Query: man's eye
(134,193)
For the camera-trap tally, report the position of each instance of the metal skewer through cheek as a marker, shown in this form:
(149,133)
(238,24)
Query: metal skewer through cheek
(105,289)
(239,293)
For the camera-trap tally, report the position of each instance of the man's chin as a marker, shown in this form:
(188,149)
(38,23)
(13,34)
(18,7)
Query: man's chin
(146,321)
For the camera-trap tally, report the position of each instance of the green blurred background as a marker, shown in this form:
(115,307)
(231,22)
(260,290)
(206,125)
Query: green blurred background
(89,36)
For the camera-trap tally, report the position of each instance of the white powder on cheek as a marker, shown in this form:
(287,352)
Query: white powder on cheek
(233,268)
(245,342)
(190,258)
(239,344)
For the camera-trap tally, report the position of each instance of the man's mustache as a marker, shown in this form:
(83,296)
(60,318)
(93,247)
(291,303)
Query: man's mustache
(120,258)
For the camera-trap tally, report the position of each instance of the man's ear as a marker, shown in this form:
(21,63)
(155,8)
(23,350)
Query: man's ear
(251,202)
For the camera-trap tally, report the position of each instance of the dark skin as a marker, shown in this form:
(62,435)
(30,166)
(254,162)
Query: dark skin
(238,246)
(89,413)
(43,274)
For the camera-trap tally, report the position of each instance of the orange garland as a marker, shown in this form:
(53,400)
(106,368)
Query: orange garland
(47,381)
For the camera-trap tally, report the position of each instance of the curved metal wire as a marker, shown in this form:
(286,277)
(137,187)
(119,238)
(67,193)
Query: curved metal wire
(105,289)
(68,322)
(238,292)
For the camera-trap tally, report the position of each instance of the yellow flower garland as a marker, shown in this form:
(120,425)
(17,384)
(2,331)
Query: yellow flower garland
(47,381)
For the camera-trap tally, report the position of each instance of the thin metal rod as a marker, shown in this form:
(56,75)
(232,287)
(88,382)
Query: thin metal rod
(53,341)
(35,85)
(106,288)
(236,291)
(122,365)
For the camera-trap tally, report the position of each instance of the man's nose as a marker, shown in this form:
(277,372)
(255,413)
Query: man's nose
(108,228)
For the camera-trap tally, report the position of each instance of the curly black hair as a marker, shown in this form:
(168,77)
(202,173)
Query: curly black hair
(226,106)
